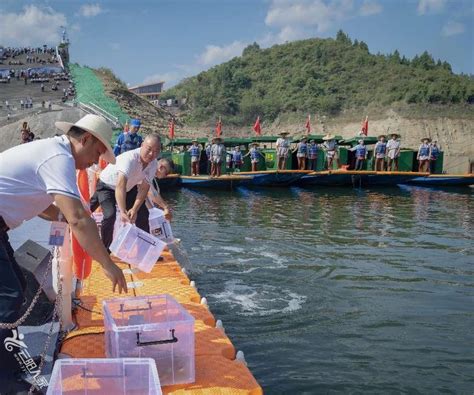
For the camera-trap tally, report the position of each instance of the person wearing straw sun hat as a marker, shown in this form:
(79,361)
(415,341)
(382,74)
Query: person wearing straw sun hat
(424,154)
(380,149)
(282,149)
(39,179)
(393,151)
(331,148)
(313,149)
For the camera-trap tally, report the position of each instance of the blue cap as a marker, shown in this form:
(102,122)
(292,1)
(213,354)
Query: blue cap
(135,122)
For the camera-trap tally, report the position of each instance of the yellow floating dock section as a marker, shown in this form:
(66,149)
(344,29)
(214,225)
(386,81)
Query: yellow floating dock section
(217,370)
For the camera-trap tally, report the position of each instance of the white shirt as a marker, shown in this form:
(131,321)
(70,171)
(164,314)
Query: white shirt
(29,176)
(282,143)
(130,165)
(392,148)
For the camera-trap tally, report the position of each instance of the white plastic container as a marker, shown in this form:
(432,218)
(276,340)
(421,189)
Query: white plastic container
(126,376)
(155,327)
(136,247)
(159,225)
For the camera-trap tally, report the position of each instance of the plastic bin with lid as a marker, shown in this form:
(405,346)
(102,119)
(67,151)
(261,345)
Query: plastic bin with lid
(101,376)
(155,327)
(136,247)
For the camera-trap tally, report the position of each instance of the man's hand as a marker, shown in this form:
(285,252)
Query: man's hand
(115,275)
(168,214)
(124,217)
(132,215)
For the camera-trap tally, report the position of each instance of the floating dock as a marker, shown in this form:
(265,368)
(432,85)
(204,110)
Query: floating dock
(217,370)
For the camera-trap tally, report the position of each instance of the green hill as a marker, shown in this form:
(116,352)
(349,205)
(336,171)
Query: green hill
(323,76)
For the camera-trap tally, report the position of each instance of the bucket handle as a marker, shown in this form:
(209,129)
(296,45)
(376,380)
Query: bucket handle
(173,339)
(153,243)
(122,310)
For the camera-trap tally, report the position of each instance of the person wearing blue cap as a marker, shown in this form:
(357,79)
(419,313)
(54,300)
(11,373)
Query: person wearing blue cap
(130,140)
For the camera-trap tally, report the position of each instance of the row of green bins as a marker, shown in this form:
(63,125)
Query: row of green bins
(407,160)
(438,165)
(271,160)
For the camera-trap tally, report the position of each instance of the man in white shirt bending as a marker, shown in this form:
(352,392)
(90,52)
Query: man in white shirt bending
(32,177)
(115,187)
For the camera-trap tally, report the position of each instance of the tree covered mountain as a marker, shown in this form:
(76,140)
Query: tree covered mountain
(324,76)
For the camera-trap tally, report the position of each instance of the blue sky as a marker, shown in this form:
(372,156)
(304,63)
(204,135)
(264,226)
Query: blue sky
(147,41)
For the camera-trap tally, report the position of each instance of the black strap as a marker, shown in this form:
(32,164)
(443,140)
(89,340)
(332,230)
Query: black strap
(3,226)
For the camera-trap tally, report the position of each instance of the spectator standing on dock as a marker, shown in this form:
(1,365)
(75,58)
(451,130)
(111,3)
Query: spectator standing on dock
(195,152)
(330,147)
(33,177)
(129,141)
(236,158)
(380,150)
(255,155)
(282,149)
(393,152)
(301,153)
(217,156)
(163,168)
(126,185)
(312,154)
(435,151)
(424,155)
(208,155)
(361,154)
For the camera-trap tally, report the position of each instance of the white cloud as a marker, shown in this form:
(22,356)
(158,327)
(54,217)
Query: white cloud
(430,6)
(214,54)
(90,10)
(370,8)
(32,26)
(452,28)
(314,14)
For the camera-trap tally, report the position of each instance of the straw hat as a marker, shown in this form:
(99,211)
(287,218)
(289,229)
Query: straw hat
(284,133)
(425,139)
(256,144)
(394,134)
(312,141)
(98,127)
(329,137)
(382,135)
(194,141)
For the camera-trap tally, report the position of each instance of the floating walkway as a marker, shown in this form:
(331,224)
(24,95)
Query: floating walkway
(217,370)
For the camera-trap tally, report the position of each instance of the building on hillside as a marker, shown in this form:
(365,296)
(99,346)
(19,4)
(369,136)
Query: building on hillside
(151,92)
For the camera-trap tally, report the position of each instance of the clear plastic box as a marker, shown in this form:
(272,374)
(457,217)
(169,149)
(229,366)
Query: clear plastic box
(159,225)
(125,376)
(137,247)
(155,327)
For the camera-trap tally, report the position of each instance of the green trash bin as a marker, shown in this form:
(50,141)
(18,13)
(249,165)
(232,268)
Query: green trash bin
(182,163)
(407,160)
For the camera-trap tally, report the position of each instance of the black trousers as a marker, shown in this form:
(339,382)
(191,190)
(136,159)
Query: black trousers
(105,197)
(12,288)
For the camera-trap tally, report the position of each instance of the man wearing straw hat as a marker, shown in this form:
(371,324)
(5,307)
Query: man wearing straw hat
(330,146)
(380,150)
(255,155)
(301,153)
(424,155)
(39,179)
(393,152)
(282,149)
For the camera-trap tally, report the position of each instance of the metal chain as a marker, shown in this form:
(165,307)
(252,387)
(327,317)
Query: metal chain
(19,321)
(56,313)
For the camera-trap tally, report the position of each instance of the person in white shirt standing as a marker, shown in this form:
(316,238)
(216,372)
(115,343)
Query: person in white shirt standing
(32,177)
(116,187)
(282,149)
(393,152)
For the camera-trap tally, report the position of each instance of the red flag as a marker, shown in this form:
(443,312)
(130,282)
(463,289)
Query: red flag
(308,125)
(365,126)
(257,127)
(171,128)
(219,127)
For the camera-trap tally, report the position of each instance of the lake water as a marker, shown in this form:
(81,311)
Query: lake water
(338,290)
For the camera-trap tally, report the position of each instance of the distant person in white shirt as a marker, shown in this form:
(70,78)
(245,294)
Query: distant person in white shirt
(330,148)
(32,177)
(282,149)
(116,187)
(393,152)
